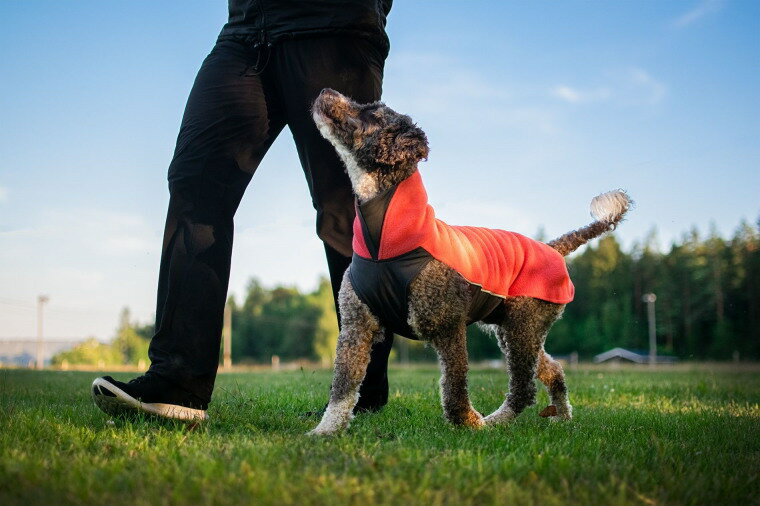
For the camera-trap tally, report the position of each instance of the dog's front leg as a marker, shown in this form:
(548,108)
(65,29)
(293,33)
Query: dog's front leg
(452,353)
(360,329)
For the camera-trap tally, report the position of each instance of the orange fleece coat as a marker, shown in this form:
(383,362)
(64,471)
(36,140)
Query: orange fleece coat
(500,262)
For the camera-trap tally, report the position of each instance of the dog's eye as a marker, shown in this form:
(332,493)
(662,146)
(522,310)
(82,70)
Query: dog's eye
(369,122)
(367,114)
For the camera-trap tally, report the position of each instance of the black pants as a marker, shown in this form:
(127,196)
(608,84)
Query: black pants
(241,100)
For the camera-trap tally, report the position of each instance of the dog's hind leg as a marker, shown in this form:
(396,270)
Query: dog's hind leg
(521,337)
(452,353)
(360,329)
(553,377)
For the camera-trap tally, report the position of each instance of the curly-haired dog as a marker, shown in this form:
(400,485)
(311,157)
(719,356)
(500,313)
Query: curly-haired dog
(424,279)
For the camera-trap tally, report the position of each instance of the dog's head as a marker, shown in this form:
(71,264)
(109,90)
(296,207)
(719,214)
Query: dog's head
(379,146)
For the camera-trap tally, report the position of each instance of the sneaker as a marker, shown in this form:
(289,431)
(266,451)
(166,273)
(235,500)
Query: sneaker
(149,394)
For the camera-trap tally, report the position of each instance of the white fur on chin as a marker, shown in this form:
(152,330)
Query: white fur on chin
(365,186)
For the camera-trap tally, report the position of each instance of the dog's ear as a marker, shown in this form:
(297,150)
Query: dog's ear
(407,147)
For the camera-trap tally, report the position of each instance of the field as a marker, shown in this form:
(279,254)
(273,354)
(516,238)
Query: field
(639,437)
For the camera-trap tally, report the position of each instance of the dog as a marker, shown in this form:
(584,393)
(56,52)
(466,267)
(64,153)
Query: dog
(424,279)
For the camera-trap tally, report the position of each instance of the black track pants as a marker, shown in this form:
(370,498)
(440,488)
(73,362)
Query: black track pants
(241,100)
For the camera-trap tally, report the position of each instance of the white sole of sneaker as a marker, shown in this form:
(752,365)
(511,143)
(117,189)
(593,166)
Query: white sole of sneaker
(118,402)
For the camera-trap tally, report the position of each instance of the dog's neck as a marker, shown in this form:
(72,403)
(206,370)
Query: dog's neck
(367,186)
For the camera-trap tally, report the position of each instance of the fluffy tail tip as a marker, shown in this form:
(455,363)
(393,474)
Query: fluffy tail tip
(611,206)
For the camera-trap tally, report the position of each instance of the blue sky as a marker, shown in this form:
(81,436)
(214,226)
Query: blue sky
(531,109)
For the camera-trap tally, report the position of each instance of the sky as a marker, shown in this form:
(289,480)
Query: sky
(531,109)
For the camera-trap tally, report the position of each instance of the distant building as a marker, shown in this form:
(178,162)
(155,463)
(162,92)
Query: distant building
(637,357)
(23,352)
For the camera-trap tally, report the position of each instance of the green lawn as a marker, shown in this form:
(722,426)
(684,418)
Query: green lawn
(638,437)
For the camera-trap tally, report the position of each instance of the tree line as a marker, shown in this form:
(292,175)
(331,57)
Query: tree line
(708,307)
(707,288)
(128,347)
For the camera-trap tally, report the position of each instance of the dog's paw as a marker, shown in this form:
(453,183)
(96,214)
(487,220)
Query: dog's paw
(500,416)
(561,414)
(469,418)
(474,420)
(329,426)
(320,431)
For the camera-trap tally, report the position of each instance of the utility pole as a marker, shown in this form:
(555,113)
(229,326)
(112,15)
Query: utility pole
(227,337)
(649,298)
(41,300)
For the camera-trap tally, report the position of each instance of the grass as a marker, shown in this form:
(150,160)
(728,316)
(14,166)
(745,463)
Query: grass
(638,437)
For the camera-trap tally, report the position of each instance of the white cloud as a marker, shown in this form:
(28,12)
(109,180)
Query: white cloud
(424,88)
(567,94)
(577,96)
(84,279)
(443,91)
(631,86)
(90,258)
(95,230)
(701,10)
(653,90)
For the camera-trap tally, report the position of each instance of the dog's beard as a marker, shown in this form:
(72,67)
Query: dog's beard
(364,184)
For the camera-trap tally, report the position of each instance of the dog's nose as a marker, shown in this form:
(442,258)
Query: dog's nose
(331,95)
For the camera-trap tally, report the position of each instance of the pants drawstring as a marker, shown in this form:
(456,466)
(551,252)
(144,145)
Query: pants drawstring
(258,67)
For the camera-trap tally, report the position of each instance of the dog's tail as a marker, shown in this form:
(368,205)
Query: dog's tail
(607,210)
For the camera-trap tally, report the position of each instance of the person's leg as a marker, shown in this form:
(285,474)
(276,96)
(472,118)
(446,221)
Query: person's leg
(228,125)
(354,67)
